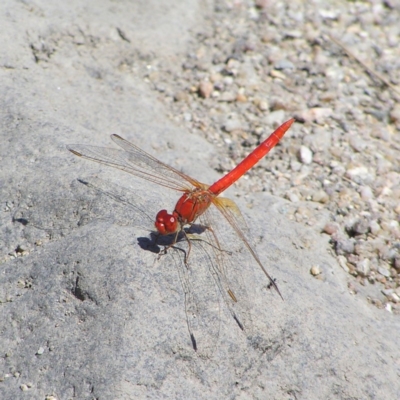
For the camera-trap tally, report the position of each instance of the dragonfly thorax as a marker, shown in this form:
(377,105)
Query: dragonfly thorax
(188,208)
(191,205)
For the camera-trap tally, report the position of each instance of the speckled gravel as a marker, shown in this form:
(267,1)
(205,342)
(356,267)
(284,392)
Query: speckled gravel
(255,65)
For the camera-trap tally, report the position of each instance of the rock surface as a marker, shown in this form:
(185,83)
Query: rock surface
(88,309)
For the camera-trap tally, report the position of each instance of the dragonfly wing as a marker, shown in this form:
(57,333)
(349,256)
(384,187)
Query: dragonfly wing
(140,157)
(232,214)
(137,162)
(202,300)
(227,266)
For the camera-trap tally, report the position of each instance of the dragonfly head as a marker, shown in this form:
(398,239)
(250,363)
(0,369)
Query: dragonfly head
(166,223)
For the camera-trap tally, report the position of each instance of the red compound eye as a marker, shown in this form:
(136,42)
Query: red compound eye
(166,223)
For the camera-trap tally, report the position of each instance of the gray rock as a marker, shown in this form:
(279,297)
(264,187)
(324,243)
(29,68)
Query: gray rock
(88,288)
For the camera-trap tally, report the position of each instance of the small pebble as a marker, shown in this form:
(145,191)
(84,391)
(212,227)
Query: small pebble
(303,212)
(293,197)
(216,77)
(321,140)
(232,125)
(366,193)
(396,263)
(181,96)
(384,272)
(331,228)
(343,263)
(263,105)
(315,271)
(305,155)
(205,89)
(390,294)
(320,197)
(277,74)
(363,267)
(228,80)
(295,165)
(374,227)
(391,227)
(187,117)
(316,114)
(395,114)
(352,288)
(263,3)
(241,98)
(228,97)
(277,104)
(24,387)
(357,171)
(284,64)
(329,14)
(343,246)
(357,144)
(274,118)
(394,298)
(360,227)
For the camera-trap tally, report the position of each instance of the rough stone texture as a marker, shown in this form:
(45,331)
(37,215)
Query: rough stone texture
(87,309)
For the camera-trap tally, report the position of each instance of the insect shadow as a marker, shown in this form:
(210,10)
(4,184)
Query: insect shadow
(155,241)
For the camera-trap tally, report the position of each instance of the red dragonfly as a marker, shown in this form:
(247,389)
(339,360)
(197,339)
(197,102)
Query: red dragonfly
(196,198)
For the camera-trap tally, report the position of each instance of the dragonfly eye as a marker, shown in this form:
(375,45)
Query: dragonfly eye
(166,223)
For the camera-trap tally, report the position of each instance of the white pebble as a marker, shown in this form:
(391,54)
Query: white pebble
(384,272)
(305,155)
(363,267)
(320,196)
(315,270)
(357,171)
(343,263)
(374,227)
(232,125)
(366,193)
(395,298)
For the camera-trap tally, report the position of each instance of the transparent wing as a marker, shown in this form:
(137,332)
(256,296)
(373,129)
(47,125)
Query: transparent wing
(212,282)
(202,298)
(232,214)
(137,162)
(227,265)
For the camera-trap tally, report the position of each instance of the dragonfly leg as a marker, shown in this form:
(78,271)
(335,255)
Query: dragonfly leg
(166,247)
(174,241)
(218,246)
(189,248)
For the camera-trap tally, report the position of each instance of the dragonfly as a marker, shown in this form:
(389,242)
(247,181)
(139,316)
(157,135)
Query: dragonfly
(196,197)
